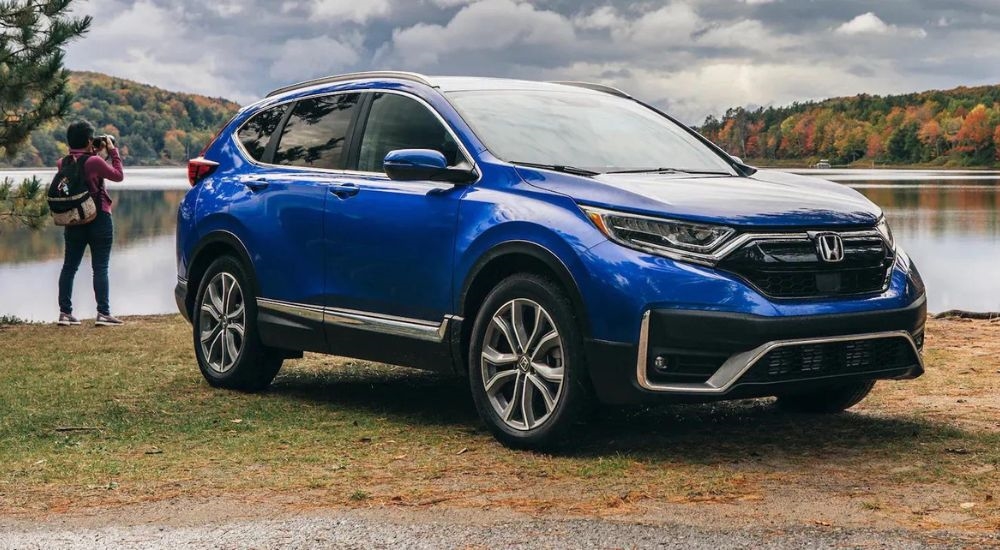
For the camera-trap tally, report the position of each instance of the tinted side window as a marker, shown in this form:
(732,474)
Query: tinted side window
(400,122)
(316,133)
(256,132)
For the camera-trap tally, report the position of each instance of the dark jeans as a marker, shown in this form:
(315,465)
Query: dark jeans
(98,235)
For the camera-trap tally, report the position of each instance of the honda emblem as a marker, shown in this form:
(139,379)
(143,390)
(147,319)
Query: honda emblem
(829,247)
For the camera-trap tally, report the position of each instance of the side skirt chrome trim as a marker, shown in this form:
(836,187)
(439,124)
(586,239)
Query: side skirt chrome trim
(737,365)
(363,320)
(303,311)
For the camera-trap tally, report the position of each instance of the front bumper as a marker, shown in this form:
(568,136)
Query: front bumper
(706,355)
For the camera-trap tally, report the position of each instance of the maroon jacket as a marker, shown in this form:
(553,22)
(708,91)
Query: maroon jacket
(96,171)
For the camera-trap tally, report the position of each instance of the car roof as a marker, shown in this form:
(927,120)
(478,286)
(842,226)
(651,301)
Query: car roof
(474,83)
(450,83)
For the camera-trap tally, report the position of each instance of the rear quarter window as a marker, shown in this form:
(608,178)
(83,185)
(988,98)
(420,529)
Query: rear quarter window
(256,133)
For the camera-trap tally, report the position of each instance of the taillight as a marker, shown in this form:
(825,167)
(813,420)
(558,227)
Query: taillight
(199,168)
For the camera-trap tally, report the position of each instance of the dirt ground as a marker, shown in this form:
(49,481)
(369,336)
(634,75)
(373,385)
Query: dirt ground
(919,457)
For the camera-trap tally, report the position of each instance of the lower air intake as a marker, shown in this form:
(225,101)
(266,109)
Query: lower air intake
(802,362)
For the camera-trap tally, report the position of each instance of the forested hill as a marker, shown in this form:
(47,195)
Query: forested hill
(153,126)
(959,127)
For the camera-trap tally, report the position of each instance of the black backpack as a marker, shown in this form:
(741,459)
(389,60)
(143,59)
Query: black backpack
(70,200)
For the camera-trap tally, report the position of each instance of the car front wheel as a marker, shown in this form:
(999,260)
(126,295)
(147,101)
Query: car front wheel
(226,342)
(526,364)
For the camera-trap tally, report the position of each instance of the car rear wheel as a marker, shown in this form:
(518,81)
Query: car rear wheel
(226,342)
(526,364)
(833,399)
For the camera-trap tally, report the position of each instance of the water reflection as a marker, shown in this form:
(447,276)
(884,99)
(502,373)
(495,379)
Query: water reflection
(143,275)
(949,225)
(138,216)
(952,231)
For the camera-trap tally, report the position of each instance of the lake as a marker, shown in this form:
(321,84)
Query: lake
(948,221)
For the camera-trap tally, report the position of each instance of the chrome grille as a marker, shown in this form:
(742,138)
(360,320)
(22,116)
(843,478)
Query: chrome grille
(792,268)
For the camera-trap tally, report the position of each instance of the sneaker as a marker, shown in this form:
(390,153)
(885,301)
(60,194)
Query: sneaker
(67,320)
(107,321)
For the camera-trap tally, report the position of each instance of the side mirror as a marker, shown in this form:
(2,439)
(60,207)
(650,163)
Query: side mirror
(424,164)
(742,167)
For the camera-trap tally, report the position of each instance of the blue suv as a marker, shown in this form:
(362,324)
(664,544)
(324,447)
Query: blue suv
(558,244)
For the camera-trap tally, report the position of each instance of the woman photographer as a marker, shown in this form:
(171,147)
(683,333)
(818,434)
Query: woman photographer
(98,234)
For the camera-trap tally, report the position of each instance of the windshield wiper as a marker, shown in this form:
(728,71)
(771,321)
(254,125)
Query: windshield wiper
(668,171)
(559,168)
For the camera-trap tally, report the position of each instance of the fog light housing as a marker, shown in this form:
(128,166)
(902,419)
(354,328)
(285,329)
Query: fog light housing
(661,364)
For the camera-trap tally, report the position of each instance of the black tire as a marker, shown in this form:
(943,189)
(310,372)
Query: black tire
(255,365)
(830,400)
(574,397)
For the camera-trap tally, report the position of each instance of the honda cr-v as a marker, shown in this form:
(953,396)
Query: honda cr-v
(555,243)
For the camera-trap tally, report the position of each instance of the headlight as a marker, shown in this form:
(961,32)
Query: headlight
(671,238)
(883,229)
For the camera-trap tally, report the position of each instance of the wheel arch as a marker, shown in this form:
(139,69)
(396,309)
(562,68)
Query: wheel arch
(501,262)
(214,245)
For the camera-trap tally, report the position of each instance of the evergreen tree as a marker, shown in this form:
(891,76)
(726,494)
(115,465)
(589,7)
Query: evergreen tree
(33,87)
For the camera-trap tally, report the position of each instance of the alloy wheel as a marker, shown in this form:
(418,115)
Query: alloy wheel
(222,322)
(522,364)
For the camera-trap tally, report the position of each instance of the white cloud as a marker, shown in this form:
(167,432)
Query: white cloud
(490,25)
(301,59)
(692,57)
(605,17)
(748,34)
(691,93)
(869,23)
(671,24)
(227,8)
(451,3)
(141,65)
(864,23)
(339,11)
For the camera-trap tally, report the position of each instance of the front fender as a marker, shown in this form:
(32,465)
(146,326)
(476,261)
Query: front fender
(495,223)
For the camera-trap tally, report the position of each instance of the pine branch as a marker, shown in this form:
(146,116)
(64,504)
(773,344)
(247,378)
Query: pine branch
(33,83)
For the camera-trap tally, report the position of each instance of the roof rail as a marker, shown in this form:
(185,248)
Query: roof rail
(413,77)
(592,86)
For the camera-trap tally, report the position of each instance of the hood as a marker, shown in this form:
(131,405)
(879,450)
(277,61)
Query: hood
(768,198)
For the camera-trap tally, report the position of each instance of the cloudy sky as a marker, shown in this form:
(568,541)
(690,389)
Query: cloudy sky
(693,57)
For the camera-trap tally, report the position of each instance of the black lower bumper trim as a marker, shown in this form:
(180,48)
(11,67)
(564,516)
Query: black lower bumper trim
(728,333)
(676,333)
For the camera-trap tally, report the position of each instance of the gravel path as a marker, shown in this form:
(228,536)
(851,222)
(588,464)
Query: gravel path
(454,529)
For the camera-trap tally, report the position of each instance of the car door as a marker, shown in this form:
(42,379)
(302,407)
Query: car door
(390,244)
(283,209)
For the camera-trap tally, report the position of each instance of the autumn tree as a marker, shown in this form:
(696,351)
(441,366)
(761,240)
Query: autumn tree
(904,143)
(931,136)
(976,135)
(996,142)
(908,128)
(33,87)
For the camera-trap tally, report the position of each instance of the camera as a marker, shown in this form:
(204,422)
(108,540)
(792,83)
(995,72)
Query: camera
(102,142)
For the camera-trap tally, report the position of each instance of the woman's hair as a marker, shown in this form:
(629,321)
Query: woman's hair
(79,134)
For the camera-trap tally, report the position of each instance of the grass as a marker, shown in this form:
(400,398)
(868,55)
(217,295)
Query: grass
(96,417)
(12,320)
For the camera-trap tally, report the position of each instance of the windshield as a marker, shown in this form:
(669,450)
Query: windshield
(592,131)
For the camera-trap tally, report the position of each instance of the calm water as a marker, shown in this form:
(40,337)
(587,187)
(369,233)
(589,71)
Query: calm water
(949,222)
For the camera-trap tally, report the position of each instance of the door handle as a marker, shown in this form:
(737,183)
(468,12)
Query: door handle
(255,183)
(345,190)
